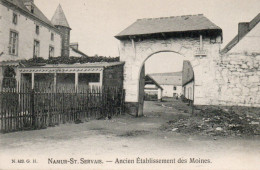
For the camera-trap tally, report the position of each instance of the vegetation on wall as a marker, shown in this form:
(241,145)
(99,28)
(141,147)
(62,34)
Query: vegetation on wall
(67,60)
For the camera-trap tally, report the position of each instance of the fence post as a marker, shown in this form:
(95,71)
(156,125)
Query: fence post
(32,109)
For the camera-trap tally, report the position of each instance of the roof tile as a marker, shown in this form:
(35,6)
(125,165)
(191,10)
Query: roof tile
(169,24)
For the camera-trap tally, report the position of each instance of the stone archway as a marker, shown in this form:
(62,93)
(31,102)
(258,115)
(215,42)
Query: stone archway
(200,52)
(142,82)
(193,36)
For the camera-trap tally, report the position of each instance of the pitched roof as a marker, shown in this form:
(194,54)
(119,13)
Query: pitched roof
(150,80)
(187,73)
(169,24)
(84,65)
(59,18)
(236,39)
(37,12)
(78,51)
(168,78)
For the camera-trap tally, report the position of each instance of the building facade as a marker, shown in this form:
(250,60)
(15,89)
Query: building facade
(26,33)
(194,37)
(152,90)
(187,80)
(170,82)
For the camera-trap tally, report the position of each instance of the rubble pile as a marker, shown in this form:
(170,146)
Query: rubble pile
(216,122)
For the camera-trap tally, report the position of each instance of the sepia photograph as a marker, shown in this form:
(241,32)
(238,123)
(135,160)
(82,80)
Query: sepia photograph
(130,84)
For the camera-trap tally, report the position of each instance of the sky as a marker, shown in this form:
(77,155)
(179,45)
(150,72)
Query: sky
(94,23)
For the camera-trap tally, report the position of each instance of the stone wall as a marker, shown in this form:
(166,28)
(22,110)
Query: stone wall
(136,53)
(238,78)
(65,43)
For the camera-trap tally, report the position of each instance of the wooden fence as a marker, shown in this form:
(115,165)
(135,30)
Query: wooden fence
(26,109)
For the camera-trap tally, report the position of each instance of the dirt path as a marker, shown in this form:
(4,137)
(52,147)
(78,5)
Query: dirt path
(127,137)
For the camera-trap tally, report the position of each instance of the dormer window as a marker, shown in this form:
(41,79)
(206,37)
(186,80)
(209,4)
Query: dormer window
(29,5)
(14,18)
(37,30)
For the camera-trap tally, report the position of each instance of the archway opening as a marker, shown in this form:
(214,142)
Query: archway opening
(166,83)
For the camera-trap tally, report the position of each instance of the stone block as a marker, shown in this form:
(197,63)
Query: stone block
(257,57)
(253,79)
(244,66)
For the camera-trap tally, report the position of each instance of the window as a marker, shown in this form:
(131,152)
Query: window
(37,30)
(36,49)
(14,18)
(13,44)
(51,51)
(52,36)
(174,88)
(9,80)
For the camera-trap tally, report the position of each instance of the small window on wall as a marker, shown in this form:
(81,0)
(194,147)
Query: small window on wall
(36,49)
(174,88)
(51,51)
(52,36)
(13,43)
(37,29)
(14,18)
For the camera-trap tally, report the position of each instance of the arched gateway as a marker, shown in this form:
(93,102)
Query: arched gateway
(194,37)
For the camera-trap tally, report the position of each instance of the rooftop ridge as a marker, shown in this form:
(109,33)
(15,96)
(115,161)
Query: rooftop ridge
(169,17)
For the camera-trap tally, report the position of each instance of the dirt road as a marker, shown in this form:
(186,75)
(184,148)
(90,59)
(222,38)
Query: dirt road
(128,139)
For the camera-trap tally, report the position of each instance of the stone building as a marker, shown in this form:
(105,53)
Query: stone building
(194,37)
(170,82)
(26,33)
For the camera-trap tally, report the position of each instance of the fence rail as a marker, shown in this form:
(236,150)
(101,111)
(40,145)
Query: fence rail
(26,109)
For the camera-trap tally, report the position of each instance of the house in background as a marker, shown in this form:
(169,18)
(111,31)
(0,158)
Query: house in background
(153,91)
(187,80)
(170,82)
(74,50)
(247,39)
(26,33)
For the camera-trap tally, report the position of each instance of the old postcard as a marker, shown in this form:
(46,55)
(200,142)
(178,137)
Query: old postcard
(129,84)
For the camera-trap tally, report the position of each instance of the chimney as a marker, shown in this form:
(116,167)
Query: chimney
(74,45)
(243,28)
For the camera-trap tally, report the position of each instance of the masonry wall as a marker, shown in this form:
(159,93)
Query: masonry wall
(25,28)
(136,53)
(238,77)
(238,73)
